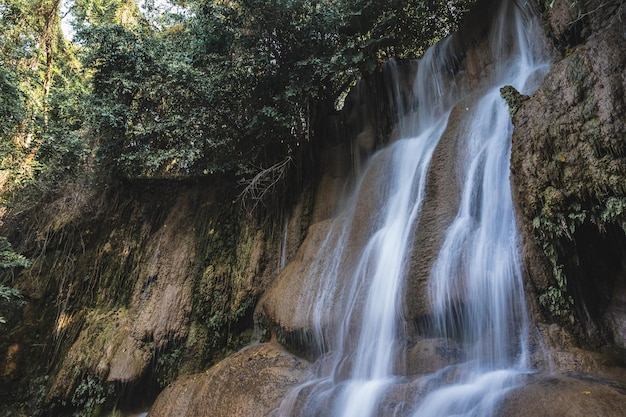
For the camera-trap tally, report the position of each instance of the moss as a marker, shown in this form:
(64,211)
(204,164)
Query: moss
(514,99)
(263,329)
(225,290)
(570,172)
(167,365)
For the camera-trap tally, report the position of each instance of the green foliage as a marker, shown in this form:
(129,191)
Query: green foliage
(89,395)
(556,299)
(8,294)
(614,211)
(9,297)
(12,106)
(167,365)
(63,150)
(237,86)
(9,258)
(88,13)
(557,225)
(148,104)
(42,90)
(189,88)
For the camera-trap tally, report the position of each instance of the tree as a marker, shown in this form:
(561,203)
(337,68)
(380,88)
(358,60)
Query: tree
(42,85)
(231,86)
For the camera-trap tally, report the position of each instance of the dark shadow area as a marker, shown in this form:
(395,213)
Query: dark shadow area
(594,266)
(137,397)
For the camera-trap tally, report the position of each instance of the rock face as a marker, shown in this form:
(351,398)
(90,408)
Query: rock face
(112,344)
(569,174)
(151,280)
(440,207)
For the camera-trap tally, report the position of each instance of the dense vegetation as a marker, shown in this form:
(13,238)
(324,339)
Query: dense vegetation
(187,88)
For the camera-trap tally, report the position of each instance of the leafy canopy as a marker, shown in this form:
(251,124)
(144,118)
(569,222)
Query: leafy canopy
(188,87)
(227,86)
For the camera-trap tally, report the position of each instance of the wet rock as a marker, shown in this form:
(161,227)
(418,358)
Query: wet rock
(291,304)
(441,203)
(249,383)
(563,396)
(286,301)
(428,355)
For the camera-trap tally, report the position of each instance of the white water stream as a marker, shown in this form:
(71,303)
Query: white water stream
(475,284)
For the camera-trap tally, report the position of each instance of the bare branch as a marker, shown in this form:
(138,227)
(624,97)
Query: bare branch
(257,188)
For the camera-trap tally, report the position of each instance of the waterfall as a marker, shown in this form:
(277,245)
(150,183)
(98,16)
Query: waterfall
(475,285)
(283,244)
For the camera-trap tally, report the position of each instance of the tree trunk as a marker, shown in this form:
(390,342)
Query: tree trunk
(51,16)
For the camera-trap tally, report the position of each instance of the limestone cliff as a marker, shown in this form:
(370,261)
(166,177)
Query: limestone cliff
(133,284)
(141,285)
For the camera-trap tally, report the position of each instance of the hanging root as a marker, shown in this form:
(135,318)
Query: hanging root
(258,188)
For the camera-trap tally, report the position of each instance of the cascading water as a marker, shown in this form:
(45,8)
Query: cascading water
(475,285)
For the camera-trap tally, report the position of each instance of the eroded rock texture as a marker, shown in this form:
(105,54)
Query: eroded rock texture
(569,174)
(131,287)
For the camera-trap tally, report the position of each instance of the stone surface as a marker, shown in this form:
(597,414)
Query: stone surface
(569,175)
(440,206)
(112,344)
(249,383)
(563,396)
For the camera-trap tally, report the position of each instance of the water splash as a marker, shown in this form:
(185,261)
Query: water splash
(475,285)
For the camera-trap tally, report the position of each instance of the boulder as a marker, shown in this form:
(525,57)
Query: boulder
(565,396)
(249,383)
